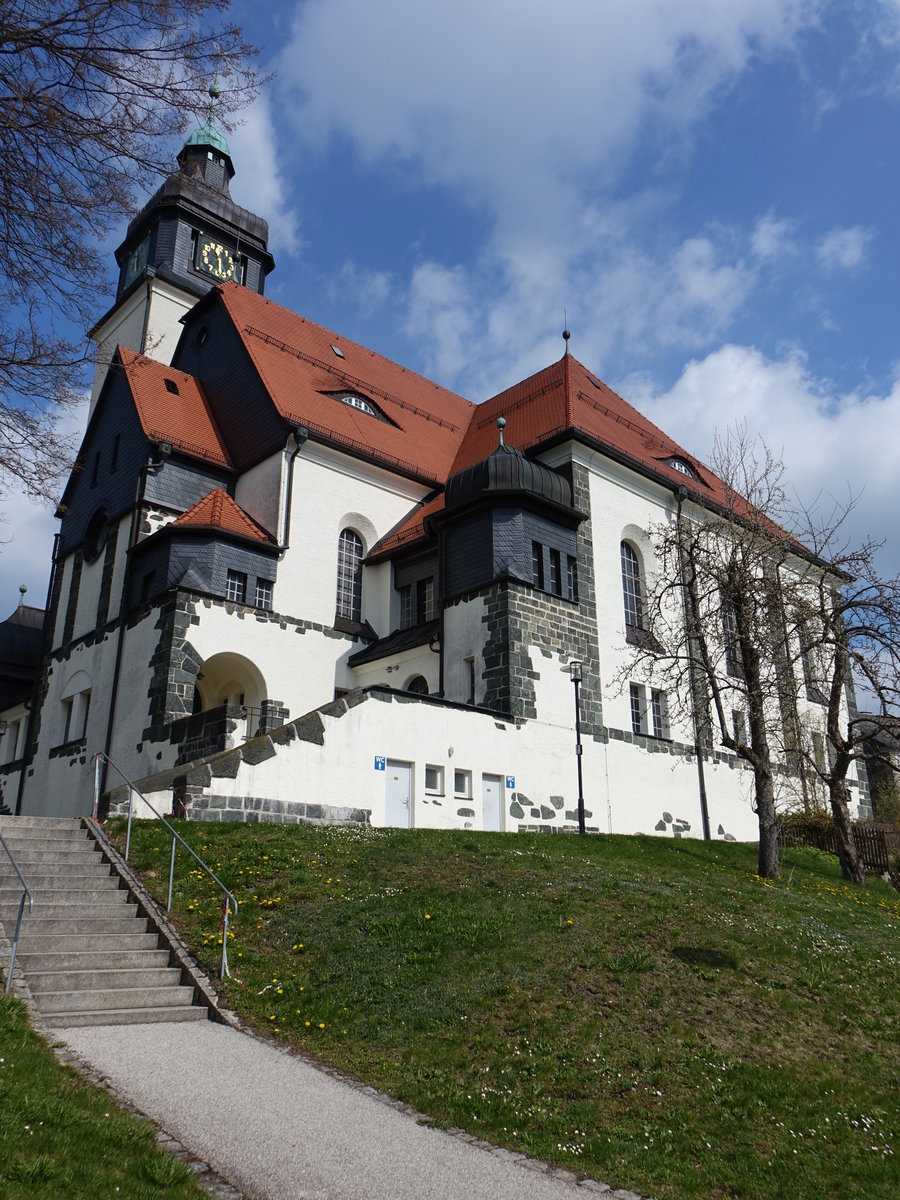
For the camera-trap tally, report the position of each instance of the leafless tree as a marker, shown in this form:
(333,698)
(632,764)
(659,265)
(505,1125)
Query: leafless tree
(845,626)
(93,95)
(759,617)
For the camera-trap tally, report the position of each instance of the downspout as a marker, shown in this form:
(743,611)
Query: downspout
(300,434)
(680,496)
(139,490)
(33,704)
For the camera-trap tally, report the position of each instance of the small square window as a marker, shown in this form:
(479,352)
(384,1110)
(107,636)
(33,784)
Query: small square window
(264,594)
(236,587)
(434,780)
(462,784)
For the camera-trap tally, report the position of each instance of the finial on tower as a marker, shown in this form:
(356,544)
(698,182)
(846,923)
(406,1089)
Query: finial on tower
(23,588)
(566,334)
(501,425)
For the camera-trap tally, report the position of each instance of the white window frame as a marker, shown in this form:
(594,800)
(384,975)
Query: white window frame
(464,793)
(437,786)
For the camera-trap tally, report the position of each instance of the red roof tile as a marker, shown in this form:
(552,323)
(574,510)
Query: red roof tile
(217,510)
(178,413)
(410,530)
(297,363)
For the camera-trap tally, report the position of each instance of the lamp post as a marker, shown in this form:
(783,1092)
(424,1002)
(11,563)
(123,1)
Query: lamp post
(575,676)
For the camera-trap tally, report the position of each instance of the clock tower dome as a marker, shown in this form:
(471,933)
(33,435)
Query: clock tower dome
(188,237)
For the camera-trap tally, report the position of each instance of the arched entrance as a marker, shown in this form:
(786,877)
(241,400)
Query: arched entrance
(230,678)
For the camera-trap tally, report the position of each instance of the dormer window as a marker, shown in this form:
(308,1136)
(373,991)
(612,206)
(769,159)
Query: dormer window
(682,467)
(361,404)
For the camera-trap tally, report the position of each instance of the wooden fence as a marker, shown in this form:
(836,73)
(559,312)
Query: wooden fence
(877,845)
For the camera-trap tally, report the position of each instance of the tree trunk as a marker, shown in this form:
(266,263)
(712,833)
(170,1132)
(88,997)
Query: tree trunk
(851,864)
(768,825)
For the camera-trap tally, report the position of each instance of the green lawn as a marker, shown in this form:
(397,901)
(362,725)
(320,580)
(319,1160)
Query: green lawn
(646,1011)
(63,1140)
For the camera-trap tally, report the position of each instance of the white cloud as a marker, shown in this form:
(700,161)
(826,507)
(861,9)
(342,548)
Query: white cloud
(258,183)
(833,443)
(366,290)
(844,249)
(772,238)
(440,309)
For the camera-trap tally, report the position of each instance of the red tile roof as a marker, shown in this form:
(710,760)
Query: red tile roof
(178,413)
(296,361)
(410,529)
(217,510)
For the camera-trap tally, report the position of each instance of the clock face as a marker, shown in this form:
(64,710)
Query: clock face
(215,259)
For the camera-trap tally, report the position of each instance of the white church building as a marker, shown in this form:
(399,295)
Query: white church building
(295,581)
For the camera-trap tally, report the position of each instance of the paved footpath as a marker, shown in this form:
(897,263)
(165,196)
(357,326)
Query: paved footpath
(280,1129)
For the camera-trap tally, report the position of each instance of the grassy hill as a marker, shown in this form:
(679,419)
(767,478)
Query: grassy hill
(645,1011)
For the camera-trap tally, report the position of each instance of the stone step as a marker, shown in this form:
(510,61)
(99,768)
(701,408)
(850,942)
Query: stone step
(128,1016)
(84,891)
(104,979)
(12,822)
(40,926)
(132,939)
(72,908)
(44,871)
(35,854)
(31,833)
(38,961)
(99,999)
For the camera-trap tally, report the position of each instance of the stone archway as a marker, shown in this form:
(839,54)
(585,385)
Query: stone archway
(230,678)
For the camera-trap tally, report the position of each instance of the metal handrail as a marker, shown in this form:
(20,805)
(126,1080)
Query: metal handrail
(176,836)
(26,891)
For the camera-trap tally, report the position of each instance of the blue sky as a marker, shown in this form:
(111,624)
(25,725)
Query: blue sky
(708,188)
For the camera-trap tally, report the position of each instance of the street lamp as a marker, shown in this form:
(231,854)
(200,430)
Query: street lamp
(575,676)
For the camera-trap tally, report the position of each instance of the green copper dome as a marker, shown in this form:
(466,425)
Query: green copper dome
(208,135)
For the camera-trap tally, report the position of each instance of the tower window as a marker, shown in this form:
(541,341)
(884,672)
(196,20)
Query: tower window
(114,461)
(555,573)
(96,469)
(571,578)
(537,564)
(264,594)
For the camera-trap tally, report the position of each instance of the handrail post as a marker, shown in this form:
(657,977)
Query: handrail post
(171,876)
(96,787)
(223,971)
(15,945)
(130,811)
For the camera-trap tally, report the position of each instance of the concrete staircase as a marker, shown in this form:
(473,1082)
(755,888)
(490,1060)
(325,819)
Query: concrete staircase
(87,956)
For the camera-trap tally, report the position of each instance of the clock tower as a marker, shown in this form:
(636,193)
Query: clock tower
(188,237)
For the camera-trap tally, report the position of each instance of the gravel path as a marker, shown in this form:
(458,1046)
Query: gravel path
(279,1129)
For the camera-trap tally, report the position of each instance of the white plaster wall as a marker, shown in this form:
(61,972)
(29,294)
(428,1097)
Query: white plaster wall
(380,599)
(259,492)
(88,595)
(118,579)
(464,636)
(627,789)
(398,670)
(332,492)
(125,327)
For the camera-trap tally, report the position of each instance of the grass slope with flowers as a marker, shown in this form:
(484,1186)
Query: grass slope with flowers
(646,1011)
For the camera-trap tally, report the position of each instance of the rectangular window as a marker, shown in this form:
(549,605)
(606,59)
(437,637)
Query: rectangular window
(406,618)
(739,724)
(424,600)
(555,573)
(147,586)
(85,712)
(11,741)
(96,470)
(571,578)
(264,594)
(470,670)
(434,780)
(638,709)
(659,713)
(733,663)
(114,461)
(462,785)
(68,706)
(537,564)
(236,587)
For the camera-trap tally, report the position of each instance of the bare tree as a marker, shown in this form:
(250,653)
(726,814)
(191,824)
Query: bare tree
(845,626)
(93,94)
(710,637)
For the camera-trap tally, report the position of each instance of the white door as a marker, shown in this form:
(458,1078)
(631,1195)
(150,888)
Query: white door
(398,805)
(492,801)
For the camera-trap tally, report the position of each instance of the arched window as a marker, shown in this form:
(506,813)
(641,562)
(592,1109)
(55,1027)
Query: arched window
(631,587)
(419,685)
(349,575)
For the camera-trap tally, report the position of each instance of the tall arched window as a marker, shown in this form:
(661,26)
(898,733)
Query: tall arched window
(631,587)
(349,575)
